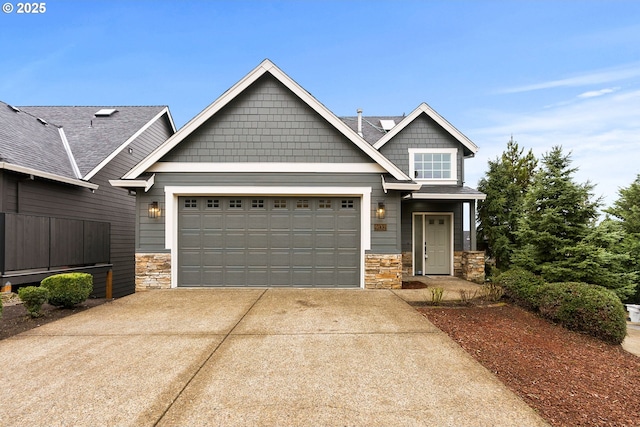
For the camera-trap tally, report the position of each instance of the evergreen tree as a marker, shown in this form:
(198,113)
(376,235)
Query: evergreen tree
(558,214)
(505,184)
(627,211)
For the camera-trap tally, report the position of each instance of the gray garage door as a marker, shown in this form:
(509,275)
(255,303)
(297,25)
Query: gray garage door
(269,241)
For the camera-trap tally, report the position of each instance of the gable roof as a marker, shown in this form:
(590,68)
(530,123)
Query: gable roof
(265,67)
(94,139)
(431,113)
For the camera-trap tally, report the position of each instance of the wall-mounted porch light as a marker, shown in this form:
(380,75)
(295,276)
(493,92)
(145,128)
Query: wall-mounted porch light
(381,211)
(154,210)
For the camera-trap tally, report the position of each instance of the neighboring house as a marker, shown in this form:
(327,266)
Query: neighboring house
(58,212)
(267,187)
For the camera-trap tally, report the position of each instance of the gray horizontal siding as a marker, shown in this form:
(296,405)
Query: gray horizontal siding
(150,233)
(423,132)
(267,123)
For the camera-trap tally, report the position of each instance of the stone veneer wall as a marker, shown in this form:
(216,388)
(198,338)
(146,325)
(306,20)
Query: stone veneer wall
(153,271)
(383,271)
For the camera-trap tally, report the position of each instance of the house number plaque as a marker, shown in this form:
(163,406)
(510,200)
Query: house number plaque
(379,227)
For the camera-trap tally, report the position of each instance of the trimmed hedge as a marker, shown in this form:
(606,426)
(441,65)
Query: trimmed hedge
(69,289)
(33,297)
(521,286)
(583,307)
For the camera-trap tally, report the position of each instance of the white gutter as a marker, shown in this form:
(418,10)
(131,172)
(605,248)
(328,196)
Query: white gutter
(403,186)
(435,196)
(47,175)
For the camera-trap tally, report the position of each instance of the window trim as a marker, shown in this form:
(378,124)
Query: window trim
(435,181)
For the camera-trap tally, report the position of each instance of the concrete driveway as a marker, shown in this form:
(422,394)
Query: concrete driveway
(249,357)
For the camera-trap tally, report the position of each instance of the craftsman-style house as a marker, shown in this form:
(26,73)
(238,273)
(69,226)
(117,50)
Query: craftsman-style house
(267,187)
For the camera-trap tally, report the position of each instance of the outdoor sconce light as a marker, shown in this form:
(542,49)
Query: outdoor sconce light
(381,211)
(154,210)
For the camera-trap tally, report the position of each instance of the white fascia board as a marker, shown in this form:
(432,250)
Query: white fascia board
(234,91)
(248,167)
(134,183)
(49,176)
(133,137)
(424,108)
(173,192)
(428,196)
(67,148)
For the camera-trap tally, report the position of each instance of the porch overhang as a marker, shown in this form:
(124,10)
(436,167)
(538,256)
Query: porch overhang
(434,192)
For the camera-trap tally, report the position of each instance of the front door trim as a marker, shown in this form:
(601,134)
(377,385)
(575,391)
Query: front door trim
(413,238)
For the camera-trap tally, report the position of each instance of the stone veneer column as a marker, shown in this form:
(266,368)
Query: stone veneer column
(458,270)
(407,263)
(153,271)
(383,271)
(473,266)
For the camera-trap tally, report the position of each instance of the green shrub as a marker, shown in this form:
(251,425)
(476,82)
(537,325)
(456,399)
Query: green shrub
(587,308)
(33,297)
(520,285)
(69,289)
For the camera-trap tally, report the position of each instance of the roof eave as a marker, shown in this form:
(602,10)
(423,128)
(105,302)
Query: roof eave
(401,186)
(46,175)
(134,183)
(445,196)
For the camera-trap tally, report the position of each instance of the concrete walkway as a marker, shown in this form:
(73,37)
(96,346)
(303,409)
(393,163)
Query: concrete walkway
(632,341)
(249,357)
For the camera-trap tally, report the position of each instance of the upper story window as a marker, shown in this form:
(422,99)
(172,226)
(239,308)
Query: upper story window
(436,165)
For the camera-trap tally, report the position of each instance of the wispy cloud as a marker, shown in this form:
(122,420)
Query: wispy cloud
(601,132)
(594,93)
(603,76)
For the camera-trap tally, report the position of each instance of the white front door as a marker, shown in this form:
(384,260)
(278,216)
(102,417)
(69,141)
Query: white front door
(432,244)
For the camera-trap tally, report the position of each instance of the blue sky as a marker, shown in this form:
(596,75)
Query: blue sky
(547,72)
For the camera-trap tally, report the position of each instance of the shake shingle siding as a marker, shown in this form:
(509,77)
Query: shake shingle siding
(267,123)
(423,132)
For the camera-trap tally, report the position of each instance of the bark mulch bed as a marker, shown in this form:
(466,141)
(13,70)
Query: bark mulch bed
(15,318)
(571,379)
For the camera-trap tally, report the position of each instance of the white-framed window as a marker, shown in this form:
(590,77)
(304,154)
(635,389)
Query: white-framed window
(434,165)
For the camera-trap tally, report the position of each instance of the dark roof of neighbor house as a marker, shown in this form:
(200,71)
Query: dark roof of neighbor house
(28,142)
(372,129)
(93,138)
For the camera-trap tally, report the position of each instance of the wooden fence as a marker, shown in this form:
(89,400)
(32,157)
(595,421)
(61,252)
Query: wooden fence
(31,242)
